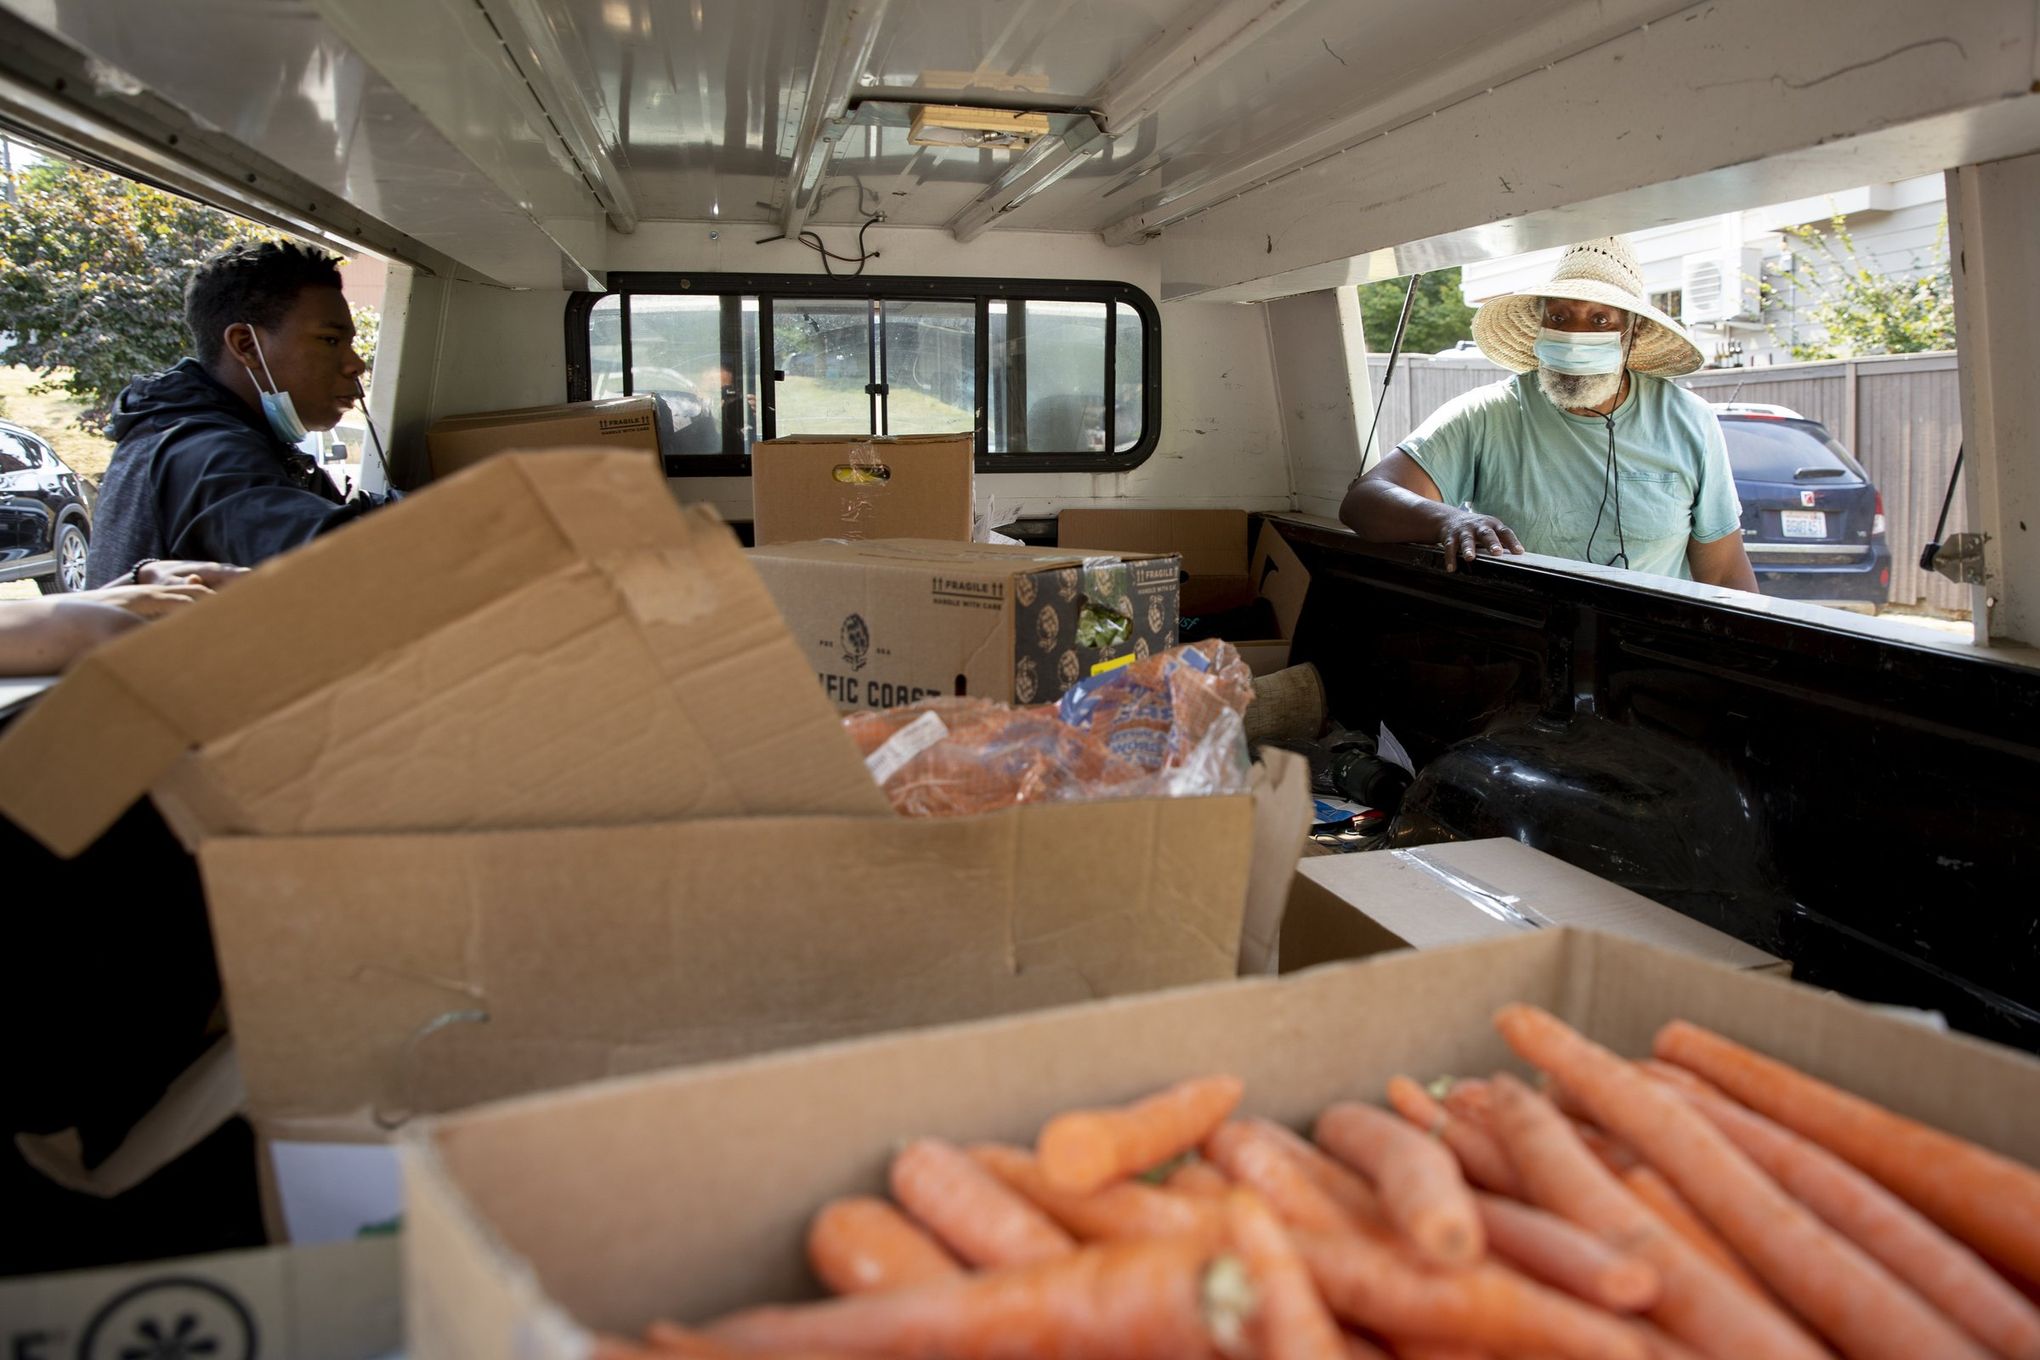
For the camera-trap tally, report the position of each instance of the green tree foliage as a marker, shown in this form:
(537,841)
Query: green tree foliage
(367,326)
(1861,309)
(92,273)
(1439,318)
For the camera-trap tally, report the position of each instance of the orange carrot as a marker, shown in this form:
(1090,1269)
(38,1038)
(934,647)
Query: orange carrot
(1989,1201)
(1126,1210)
(861,1244)
(1656,1194)
(1612,1154)
(1340,1183)
(1117,1301)
(1434,1350)
(1086,1150)
(1480,1157)
(1290,1320)
(667,1339)
(1254,1154)
(1422,1192)
(1854,1301)
(1696,1303)
(1470,1098)
(973,1212)
(1548,1248)
(1199,1180)
(1946,1273)
(1369,1285)
(1359,1348)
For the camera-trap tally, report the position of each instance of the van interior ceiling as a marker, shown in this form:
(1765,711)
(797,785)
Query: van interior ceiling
(1122,244)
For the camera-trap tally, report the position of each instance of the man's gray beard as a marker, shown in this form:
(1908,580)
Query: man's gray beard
(1577,391)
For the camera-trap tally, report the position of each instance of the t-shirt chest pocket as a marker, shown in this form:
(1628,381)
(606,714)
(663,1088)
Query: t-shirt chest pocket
(1656,505)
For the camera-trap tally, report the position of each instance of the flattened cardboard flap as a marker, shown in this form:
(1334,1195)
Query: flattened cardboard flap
(1280,578)
(592,528)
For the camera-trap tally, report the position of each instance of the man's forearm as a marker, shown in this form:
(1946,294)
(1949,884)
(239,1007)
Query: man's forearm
(43,637)
(1382,512)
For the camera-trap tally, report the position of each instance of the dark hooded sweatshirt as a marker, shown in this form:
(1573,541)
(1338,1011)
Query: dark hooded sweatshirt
(198,475)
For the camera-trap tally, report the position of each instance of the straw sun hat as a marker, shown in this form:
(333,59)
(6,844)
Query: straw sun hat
(1605,271)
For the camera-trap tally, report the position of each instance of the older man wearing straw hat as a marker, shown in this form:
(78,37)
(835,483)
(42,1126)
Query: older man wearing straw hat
(1590,452)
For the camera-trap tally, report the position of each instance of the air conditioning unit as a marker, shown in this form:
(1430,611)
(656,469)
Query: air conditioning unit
(1721,286)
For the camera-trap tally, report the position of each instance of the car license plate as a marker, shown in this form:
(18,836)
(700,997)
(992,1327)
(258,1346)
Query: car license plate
(1804,523)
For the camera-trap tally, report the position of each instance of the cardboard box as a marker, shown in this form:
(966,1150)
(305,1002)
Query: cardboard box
(618,424)
(892,622)
(665,1196)
(853,487)
(586,652)
(374,978)
(337,1302)
(582,809)
(1221,574)
(1351,906)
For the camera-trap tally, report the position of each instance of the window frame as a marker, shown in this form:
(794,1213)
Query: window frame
(734,462)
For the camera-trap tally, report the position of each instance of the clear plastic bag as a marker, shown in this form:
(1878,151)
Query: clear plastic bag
(1170,726)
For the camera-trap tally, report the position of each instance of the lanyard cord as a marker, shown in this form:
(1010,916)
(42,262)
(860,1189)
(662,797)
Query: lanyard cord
(1608,478)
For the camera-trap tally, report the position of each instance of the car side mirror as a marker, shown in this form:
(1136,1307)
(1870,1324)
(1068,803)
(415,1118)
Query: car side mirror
(336,452)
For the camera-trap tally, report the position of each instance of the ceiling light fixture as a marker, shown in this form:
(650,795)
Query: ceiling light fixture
(949,125)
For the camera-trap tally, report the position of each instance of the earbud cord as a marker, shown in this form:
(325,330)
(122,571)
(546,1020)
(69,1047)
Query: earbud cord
(1621,540)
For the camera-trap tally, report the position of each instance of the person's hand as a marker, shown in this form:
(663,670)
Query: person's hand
(1467,535)
(147,602)
(209,574)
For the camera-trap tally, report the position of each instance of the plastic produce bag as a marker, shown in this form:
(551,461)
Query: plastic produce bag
(1170,726)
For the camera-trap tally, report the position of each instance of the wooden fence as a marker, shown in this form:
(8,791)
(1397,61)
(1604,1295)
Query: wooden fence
(1900,414)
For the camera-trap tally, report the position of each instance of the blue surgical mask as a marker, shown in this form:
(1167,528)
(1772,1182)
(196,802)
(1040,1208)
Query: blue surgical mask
(1580,352)
(277,407)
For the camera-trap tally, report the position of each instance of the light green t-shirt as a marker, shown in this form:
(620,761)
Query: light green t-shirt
(1506,451)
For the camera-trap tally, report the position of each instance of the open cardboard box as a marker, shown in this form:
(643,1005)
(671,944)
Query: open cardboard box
(809,486)
(688,1193)
(615,423)
(1351,906)
(372,978)
(581,808)
(335,1302)
(1221,572)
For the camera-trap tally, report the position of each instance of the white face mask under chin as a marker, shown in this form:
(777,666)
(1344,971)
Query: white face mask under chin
(277,407)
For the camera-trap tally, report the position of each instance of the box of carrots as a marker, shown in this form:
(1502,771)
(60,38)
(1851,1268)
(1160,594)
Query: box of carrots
(1563,1145)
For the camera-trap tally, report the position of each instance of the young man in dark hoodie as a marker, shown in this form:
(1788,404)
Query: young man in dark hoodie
(207,466)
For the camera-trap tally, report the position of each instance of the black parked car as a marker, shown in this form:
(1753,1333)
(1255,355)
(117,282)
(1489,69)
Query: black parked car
(1812,523)
(45,514)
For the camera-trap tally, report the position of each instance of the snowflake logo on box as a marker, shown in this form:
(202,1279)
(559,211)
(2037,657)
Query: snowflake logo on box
(1141,650)
(1026,681)
(1023,591)
(1048,628)
(856,642)
(178,1318)
(1067,670)
(1156,618)
(1068,582)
